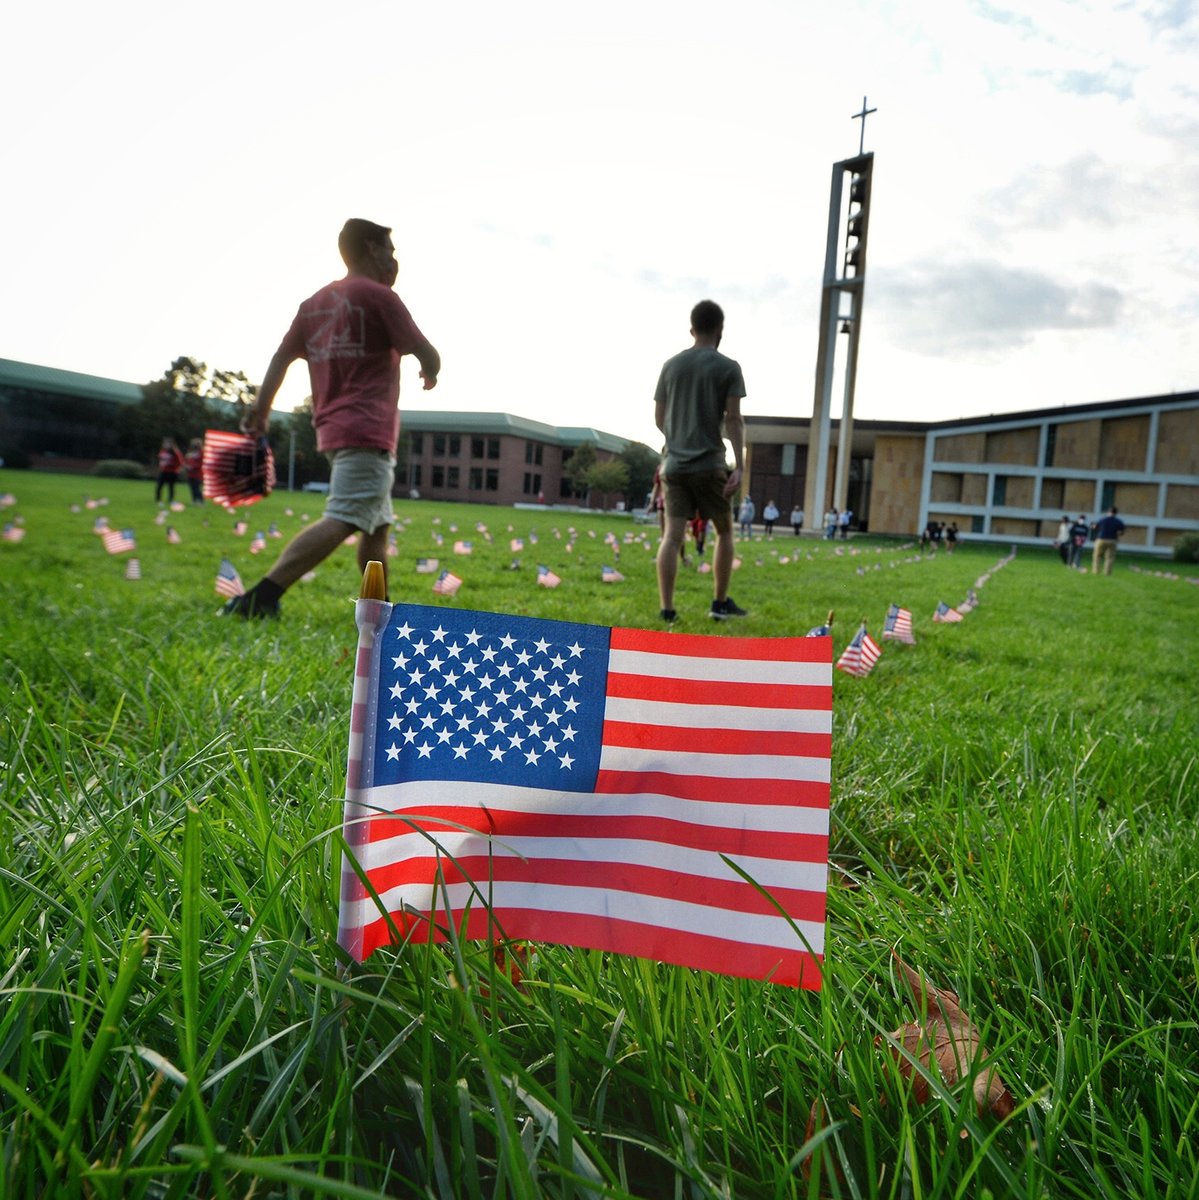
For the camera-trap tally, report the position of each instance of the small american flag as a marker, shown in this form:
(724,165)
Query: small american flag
(461,547)
(945,614)
(118,541)
(258,542)
(446,584)
(173,537)
(897,626)
(12,532)
(541,780)
(426,566)
(239,528)
(161,517)
(610,575)
(273,531)
(7,500)
(516,545)
(228,581)
(393,546)
(133,569)
(859,657)
(546,577)
(100,526)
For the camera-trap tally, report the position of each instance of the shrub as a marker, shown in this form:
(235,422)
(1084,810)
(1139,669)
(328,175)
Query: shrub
(120,468)
(1186,548)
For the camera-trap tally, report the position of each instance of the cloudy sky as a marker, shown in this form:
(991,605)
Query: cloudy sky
(566,180)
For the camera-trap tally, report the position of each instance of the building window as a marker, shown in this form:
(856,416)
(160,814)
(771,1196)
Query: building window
(476,447)
(493,447)
(976,523)
(532,483)
(451,477)
(533,453)
(417,443)
(493,479)
(476,479)
(414,480)
(999,491)
(439,445)
(1107,497)
(439,476)
(1050,445)
(455,445)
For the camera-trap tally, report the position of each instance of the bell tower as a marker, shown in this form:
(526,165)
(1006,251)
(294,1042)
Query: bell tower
(841,299)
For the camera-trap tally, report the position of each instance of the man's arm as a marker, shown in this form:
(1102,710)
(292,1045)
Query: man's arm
(258,419)
(734,430)
(430,363)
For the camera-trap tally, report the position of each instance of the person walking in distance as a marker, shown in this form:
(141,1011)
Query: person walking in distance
(1107,532)
(352,333)
(699,391)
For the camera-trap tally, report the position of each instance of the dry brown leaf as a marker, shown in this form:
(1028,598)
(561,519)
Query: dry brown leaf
(948,1039)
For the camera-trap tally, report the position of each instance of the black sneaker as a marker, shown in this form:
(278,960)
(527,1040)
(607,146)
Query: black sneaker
(721,610)
(668,615)
(249,606)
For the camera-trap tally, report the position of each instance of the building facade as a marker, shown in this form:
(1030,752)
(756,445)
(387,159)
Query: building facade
(1007,478)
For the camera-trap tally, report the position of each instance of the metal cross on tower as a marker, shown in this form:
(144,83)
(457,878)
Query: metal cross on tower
(861,116)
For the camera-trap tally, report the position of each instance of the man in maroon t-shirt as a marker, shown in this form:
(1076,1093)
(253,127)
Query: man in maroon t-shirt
(352,333)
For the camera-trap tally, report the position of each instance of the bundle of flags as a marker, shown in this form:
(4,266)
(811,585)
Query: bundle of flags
(228,581)
(446,584)
(238,468)
(546,577)
(897,625)
(859,657)
(562,797)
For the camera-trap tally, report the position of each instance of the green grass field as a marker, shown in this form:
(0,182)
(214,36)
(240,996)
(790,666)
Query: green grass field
(1014,811)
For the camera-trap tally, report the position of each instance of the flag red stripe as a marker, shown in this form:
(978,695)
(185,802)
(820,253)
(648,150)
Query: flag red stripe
(794,968)
(695,645)
(734,895)
(721,692)
(717,741)
(795,847)
(806,793)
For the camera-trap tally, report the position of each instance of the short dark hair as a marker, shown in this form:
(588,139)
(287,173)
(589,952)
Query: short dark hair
(356,234)
(707,317)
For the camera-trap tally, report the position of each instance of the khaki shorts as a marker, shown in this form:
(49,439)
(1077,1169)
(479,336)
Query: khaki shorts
(702,492)
(360,484)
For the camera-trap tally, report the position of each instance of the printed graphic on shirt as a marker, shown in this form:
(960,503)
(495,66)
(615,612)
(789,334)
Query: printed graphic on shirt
(341,332)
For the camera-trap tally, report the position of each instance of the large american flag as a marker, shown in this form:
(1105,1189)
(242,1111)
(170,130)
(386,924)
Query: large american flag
(605,788)
(897,626)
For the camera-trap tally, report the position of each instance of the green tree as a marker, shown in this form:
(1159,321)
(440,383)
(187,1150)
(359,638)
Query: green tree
(642,462)
(608,479)
(576,467)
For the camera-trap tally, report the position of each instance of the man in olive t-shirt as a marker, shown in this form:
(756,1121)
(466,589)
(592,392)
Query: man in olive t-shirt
(699,391)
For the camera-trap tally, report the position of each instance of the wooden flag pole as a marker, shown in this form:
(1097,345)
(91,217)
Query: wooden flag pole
(374,582)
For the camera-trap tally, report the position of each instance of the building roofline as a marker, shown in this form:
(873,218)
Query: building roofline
(70,383)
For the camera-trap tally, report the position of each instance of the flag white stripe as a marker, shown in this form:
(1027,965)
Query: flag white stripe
(596,854)
(731,670)
(695,717)
(773,818)
(747,928)
(715,766)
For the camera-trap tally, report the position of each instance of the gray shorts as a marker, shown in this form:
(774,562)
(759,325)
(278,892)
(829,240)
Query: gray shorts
(360,484)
